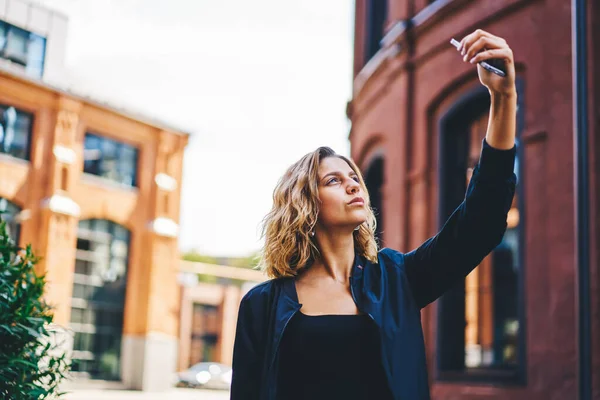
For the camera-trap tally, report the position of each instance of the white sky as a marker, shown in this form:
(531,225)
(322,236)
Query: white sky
(258,84)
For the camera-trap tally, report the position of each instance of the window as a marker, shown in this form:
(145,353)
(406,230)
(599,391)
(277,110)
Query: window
(374,182)
(15,132)
(491,314)
(23,47)
(8,213)
(488,345)
(206,320)
(98,298)
(110,159)
(376,15)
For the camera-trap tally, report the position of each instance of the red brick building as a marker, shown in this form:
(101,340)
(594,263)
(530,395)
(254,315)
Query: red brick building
(418,117)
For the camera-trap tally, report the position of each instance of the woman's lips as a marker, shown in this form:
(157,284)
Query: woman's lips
(357,201)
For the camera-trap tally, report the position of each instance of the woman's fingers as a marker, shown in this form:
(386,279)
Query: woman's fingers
(467,42)
(481,44)
(505,54)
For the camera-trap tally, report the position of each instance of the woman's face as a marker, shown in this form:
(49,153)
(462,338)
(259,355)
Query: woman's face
(343,202)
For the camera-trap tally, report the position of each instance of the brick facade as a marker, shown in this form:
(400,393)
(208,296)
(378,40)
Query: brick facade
(54,195)
(400,97)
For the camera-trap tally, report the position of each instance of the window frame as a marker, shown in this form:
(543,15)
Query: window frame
(25,62)
(29,134)
(119,145)
(373,38)
(374,178)
(446,368)
(93,330)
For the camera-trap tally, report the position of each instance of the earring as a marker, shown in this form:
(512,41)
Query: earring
(312,233)
(357,228)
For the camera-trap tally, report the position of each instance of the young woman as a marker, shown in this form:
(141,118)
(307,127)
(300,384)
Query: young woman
(340,319)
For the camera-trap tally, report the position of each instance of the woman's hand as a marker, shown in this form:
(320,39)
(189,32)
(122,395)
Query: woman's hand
(481,46)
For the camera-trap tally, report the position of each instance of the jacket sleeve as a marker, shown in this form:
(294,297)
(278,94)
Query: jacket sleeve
(247,357)
(473,230)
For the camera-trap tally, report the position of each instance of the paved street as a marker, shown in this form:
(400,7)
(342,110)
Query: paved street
(175,394)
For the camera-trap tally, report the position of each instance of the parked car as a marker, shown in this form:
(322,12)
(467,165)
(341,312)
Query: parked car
(207,375)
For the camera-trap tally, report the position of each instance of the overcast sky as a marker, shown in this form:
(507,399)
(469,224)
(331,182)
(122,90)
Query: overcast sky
(257,83)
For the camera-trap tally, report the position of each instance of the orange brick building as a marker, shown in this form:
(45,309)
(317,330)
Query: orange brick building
(96,191)
(418,117)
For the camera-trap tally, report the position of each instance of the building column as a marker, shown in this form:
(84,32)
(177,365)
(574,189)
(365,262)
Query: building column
(58,214)
(151,326)
(230,306)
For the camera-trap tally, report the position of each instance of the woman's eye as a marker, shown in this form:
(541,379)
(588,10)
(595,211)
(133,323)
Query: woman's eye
(356,178)
(331,180)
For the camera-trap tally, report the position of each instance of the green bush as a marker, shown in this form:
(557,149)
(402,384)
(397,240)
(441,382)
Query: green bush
(31,362)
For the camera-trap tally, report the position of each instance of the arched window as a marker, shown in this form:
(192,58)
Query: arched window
(489,344)
(99,298)
(374,182)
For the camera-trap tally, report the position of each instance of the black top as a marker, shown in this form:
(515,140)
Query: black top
(331,357)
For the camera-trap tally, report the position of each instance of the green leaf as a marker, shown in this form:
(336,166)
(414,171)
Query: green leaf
(25,362)
(29,366)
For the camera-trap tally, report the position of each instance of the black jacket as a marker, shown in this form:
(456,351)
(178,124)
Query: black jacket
(391,291)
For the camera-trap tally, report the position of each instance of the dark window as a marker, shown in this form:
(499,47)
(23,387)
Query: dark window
(480,322)
(98,298)
(8,213)
(15,132)
(23,47)
(206,320)
(110,159)
(376,15)
(374,183)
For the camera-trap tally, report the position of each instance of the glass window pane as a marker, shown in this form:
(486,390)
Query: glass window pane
(78,291)
(106,268)
(77,315)
(8,213)
(35,55)
(91,154)
(20,145)
(127,165)
(110,159)
(16,45)
(83,341)
(101,225)
(15,128)
(3,32)
(23,47)
(121,233)
(491,309)
(90,316)
(85,224)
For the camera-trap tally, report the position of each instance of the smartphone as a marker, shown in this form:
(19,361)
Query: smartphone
(494,65)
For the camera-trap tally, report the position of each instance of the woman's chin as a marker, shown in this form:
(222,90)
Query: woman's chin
(358,221)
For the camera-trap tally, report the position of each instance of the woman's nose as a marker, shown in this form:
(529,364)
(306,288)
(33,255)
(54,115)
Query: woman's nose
(353,186)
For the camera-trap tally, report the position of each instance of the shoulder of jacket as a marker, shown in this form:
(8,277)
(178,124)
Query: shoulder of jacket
(260,292)
(392,255)
(391,259)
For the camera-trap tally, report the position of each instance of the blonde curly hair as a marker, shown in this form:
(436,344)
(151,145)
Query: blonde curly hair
(288,246)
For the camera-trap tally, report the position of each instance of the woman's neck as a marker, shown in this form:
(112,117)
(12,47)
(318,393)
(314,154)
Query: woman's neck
(337,256)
